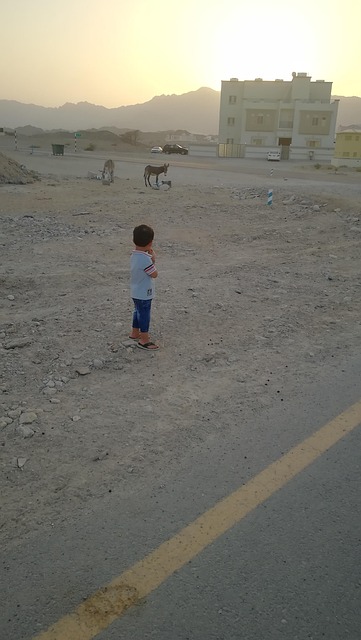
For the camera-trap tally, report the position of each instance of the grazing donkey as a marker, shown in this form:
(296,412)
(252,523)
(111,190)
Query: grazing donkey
(154,171)
(108,170)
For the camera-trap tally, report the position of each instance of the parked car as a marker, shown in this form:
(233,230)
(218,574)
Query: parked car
(274,155)
(175,148)
(156,150)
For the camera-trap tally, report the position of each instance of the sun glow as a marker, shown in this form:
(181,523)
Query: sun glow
(129,53)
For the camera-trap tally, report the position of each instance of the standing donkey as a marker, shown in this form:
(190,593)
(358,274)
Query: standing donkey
(154,171)
(108,170)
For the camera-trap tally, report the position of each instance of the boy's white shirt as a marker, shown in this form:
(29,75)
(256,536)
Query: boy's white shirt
(142,286)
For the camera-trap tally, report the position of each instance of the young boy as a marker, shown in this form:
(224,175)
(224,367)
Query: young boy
(142,275)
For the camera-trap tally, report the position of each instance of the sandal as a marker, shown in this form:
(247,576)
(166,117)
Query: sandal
(148,346)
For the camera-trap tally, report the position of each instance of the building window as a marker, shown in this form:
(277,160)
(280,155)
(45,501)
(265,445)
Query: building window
(286,119)
(286,124)
(260,119)
(230,122)
(313,143)
(314,122)
(232,100)
(257,141)
(355,154)
(348,137)
(357,138)
(346,154)
(230,140)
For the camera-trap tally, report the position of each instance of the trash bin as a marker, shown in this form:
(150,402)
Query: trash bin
(58,149)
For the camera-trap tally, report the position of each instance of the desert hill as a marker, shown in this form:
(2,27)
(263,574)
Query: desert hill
(195,111)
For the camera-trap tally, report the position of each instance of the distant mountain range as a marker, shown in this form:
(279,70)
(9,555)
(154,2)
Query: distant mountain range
(195,111)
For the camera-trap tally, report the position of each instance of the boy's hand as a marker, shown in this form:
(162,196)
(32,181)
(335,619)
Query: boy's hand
(152,254)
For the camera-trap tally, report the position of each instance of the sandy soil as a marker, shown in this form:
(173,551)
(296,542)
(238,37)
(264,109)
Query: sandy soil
(247,294)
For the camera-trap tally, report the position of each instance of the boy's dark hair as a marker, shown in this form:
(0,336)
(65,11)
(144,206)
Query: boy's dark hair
(143,235)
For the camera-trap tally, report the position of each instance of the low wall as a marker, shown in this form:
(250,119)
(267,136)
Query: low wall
(207,150)
(312,155)
(346,162)
(259,153)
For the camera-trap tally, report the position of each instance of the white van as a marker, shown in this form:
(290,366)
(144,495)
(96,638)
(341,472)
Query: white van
(274,155)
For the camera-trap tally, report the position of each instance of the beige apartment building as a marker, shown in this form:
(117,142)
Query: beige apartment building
(296,117)
(348,148)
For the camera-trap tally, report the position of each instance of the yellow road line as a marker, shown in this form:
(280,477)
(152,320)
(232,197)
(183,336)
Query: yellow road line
(98,611)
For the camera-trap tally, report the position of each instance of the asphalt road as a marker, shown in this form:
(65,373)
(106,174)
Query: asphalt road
(289,569)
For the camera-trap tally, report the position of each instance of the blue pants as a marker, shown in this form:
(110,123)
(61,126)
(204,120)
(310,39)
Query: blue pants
(141,315)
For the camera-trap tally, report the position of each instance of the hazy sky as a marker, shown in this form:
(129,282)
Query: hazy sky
(118,52)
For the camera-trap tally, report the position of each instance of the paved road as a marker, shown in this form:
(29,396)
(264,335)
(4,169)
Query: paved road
(289,569)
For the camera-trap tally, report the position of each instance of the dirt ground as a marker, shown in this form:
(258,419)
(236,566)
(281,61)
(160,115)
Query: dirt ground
(247,295)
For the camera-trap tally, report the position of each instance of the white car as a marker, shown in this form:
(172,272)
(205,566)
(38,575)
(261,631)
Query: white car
(274,155)
(156,150)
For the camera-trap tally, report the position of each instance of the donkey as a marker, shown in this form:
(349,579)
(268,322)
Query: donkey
(154,171)
(108,170)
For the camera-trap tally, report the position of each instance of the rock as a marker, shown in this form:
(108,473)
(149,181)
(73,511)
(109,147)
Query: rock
(49,391)
(11,297)
(316,207)
(357,229)
(7,420)
(28,417)
(3,423)
(15,413)
(17,344)
(20,462)
(98,364)
(54,400)
(25,431)
(101,456)
(76,418)
(82,371)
